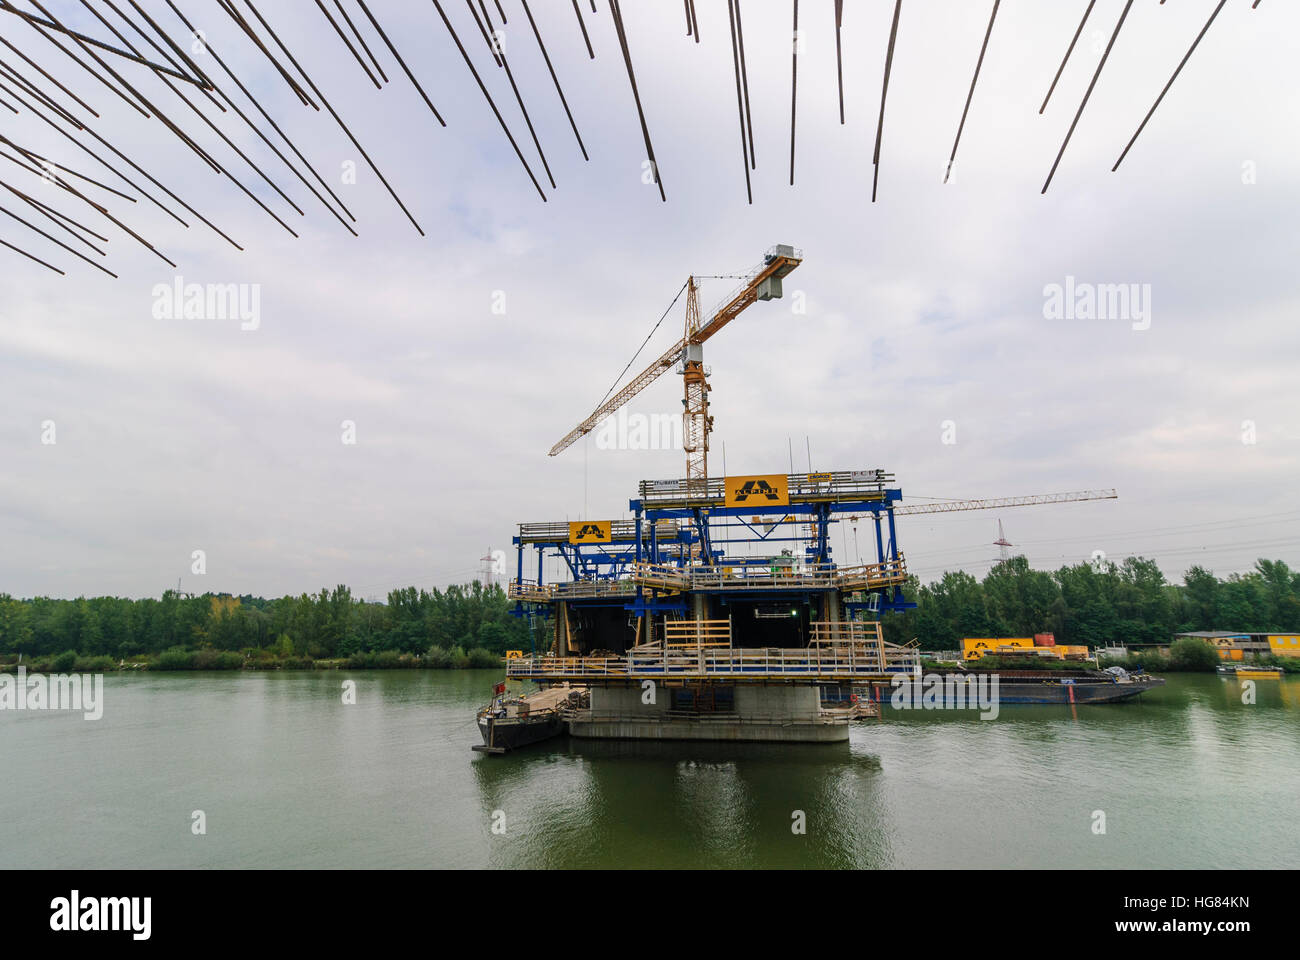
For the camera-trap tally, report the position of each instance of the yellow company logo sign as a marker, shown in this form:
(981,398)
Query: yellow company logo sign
(757,491)
(590,531)
(819,478)
(514,654)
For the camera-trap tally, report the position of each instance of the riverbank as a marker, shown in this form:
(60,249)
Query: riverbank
(179,659)
(437,658)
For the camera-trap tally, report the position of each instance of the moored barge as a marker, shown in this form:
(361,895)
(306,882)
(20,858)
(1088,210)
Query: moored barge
(508,723)
(1067,686)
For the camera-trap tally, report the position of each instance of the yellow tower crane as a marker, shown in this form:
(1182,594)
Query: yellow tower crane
(762,283)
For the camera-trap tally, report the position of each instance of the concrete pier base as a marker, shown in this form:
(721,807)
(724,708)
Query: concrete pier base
(788,713)
(831,731)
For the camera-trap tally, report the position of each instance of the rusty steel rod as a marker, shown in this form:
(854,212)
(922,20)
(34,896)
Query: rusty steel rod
(205,90)
(276,127)
(491,103)
(884,92)
(339,120)
(520,100)
(402,63)
(1182,63)
(616,14)
(583,24)
(233,12)
(56,217)
(558,89)
(32,90)
(740,101)
(162,117)
(1065,143)
(361,40)
(970,94)
(73,57)
(794,83)
(744,81)
(68,170)
(220,133)
(6,243)
(483,30)
(81,38)
(839,54)
(348,43)
(39,69)
(1068,50)
(92,154)
(54,240)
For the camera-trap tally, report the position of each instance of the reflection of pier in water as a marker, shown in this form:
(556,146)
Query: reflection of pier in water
(705,805)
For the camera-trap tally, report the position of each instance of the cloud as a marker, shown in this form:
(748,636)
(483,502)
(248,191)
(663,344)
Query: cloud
(922,308)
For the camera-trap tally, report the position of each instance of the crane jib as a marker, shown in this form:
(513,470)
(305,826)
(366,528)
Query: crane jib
(763,283)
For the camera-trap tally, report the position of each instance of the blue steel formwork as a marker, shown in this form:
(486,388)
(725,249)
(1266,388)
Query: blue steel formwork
(673,528)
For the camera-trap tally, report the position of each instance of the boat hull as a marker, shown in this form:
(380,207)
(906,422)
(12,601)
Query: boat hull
(1012,692)
(1052,690)
(503,734)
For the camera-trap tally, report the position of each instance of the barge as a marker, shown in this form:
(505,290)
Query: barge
(508,723)
(1068,686)
(1249,672)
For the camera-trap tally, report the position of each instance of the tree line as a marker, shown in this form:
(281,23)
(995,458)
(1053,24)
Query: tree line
(1096,603)
(327,625)
(1088,603)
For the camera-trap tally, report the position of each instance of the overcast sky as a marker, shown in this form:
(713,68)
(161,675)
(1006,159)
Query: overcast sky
(176,435)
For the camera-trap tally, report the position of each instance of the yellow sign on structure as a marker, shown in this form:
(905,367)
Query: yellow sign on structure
(764,491)
(591,531)
(819,478)
(514,654)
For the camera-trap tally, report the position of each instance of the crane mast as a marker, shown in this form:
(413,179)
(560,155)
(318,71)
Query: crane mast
(696,422)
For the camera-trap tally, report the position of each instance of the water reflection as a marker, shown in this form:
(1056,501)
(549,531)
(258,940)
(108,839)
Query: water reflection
(618,804)
(290,776)
(918,788)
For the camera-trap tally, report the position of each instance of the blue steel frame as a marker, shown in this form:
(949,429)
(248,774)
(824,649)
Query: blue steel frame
(701,526)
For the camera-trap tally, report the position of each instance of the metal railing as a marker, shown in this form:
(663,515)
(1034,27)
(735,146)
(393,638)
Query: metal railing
(838,485)
(809,576)
(593,588)
(571,589)
(821,661)
(695,634)
(557,531)
(847,632)
(530,590)
(870,575)
(662,576)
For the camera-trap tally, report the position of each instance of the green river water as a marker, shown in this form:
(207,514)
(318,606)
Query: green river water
(287,775)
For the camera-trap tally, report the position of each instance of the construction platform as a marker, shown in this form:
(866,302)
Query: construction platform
(717,612)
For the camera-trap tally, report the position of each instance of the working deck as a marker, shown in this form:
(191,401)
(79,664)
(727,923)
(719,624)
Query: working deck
(719,579)
(838,652)
(745,578)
